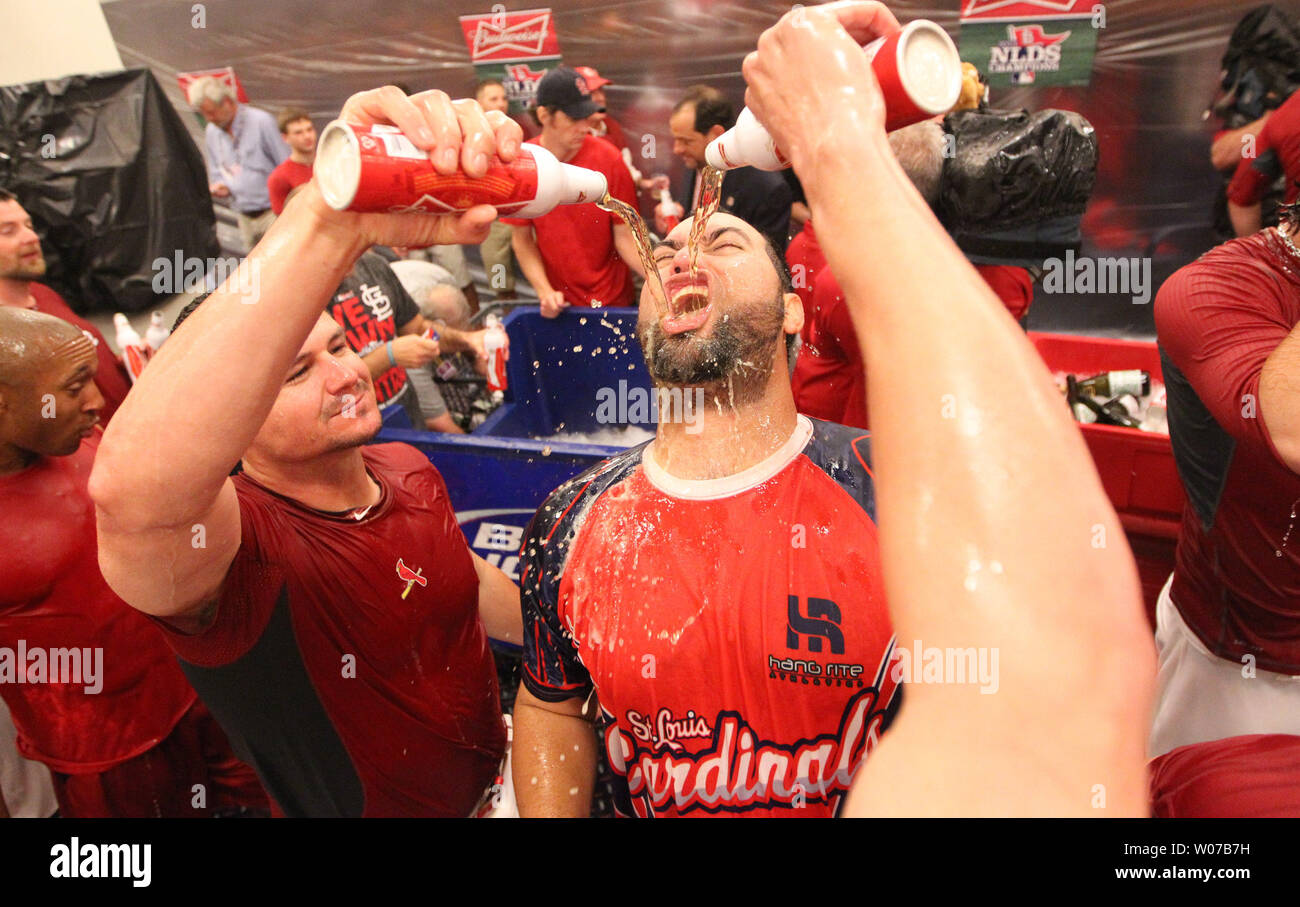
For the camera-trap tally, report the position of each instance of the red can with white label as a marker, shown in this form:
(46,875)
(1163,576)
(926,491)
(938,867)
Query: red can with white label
(919,71)
(377,168)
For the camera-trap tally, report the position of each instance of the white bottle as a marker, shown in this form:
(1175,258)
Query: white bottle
(157,332)
(559,184)
(494,344)
(747,144)
(126,335)
(135,352)
(667,209)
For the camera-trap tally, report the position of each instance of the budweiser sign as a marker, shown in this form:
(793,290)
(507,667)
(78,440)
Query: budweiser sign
(503,36)
(978,9)
(224,74)
(1022,8)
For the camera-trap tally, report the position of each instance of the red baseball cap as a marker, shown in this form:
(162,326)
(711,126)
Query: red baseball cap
(594,79)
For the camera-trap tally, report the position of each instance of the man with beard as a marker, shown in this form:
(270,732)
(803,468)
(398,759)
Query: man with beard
(323,601)
(719,588)
(21,266)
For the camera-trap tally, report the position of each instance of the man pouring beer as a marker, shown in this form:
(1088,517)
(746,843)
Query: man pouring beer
(989,506)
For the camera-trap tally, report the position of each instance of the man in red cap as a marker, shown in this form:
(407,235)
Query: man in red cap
(604,126)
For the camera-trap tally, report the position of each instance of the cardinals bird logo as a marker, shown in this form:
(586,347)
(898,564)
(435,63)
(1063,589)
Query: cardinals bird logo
(410,577)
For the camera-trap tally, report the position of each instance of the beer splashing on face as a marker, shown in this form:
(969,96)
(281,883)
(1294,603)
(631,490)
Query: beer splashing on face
(629,216)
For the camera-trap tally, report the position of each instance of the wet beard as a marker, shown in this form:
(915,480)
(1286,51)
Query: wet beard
(734,363)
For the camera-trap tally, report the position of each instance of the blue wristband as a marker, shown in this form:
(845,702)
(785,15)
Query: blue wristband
(388,347)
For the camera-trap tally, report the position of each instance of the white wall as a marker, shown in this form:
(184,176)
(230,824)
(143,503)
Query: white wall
(47,39)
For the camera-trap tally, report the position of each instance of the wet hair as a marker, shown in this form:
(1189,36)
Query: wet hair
(787,286)
(711,108)
(189,310)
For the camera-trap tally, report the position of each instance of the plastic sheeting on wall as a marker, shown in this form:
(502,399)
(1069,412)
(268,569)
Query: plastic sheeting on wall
(112,181)
(1156,70)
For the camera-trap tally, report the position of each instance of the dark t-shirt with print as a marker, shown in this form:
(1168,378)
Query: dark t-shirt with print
(371,305)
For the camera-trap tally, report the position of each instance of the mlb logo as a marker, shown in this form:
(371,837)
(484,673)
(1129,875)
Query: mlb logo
(1023,78)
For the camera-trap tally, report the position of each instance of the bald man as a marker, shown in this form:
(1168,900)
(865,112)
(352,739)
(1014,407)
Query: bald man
(22,264)
(94,692)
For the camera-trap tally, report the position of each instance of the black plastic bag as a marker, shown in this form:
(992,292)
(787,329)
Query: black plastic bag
(1015,188)
(1261,67)
(112,181)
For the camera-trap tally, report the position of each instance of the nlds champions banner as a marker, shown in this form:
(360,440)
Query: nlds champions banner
(1031,42)
(516,47)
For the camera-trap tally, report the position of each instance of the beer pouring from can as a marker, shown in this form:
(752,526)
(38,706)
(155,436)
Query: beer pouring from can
(919,71)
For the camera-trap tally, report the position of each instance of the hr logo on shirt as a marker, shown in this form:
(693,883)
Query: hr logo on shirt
(822,622)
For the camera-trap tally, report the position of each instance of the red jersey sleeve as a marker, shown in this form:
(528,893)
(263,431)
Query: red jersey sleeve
(1218,325)
(1255,173)
(253,584)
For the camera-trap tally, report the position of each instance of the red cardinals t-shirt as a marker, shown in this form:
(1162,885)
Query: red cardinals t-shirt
(734,630)
(111,379)
(577,241)
(347,663)
(60,624)
(1237,568)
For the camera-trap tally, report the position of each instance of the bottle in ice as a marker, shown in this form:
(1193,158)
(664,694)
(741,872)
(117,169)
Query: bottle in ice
(1080,410)
(919,72)
(377,168)
(494,343)
(1117,383)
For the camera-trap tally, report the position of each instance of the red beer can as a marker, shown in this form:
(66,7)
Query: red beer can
(377,168)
